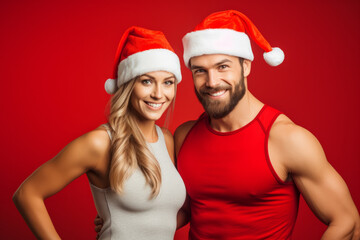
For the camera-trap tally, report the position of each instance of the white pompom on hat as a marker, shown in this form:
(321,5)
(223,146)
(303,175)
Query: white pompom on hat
(228,32)
(141,51)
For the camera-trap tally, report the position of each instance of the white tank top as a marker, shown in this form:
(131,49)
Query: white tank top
(132,215)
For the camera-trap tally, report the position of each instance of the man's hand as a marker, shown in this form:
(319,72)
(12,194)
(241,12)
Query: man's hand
(98,225)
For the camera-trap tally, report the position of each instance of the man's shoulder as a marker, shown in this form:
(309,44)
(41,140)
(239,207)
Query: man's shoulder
(181,132)
(284,129)
(295,143)
(184,128)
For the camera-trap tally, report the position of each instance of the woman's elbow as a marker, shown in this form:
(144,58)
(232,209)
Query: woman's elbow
(19,196)
(22,195)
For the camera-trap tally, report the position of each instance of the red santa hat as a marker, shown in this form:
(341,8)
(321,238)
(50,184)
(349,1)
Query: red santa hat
(227,33)
(141,51)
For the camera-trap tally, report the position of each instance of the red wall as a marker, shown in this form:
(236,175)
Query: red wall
(55,57)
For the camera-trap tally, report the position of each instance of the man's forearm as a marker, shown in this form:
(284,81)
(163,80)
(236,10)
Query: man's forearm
(347,229)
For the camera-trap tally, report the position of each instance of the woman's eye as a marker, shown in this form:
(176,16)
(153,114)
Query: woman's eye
(146,81)
(169,82)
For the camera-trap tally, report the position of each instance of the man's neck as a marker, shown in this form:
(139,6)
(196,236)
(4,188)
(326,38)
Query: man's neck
(244,112)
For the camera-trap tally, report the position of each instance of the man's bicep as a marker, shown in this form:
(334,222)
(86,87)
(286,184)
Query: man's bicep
(322,187)
(326,193)
(329,198)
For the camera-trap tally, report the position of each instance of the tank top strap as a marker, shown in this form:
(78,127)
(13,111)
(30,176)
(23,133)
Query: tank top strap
(202,116)
(202,119)
(267,117)
(160,134)
(106,126)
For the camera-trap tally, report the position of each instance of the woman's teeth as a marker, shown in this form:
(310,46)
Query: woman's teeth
(154,105)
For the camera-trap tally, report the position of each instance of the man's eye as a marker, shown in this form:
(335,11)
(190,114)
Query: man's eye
(199,71)
(223,66)
(146,81)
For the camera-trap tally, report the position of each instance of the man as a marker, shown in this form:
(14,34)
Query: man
(243,162)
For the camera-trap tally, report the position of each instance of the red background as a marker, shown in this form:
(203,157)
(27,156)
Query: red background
(55,57)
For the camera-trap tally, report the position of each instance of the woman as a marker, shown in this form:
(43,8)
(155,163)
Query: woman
(129,161)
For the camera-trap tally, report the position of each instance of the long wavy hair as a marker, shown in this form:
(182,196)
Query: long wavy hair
(128,146)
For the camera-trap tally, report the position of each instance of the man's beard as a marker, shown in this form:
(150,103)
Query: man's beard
(218,109)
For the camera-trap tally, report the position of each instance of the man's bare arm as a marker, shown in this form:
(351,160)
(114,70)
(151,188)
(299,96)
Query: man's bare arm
(322,187)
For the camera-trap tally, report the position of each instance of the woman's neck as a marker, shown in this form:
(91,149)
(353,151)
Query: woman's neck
(148,130)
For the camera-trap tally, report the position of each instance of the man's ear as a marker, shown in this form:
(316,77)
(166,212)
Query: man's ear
(246,67)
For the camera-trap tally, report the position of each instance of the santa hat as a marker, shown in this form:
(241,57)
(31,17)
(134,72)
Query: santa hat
(227,33)
(141,51)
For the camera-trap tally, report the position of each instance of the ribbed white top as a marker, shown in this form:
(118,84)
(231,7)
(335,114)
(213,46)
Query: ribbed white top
(132,215)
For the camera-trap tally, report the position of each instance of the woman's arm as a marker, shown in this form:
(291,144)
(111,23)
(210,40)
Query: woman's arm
(78,157)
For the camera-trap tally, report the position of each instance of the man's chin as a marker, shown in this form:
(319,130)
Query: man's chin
(216,113)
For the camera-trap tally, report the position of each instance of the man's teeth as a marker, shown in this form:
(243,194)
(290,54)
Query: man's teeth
(215,94)
(154,105)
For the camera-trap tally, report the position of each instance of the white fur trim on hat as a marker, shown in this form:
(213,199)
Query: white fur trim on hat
(148,61)
(216,41)
(275,57)
(110,86)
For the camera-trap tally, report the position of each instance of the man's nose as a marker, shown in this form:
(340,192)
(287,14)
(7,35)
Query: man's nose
(212,80)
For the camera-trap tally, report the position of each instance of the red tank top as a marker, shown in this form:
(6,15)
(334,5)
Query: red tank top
(234,191)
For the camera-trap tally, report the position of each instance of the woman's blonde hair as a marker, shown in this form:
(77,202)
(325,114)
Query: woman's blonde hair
(128,146)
